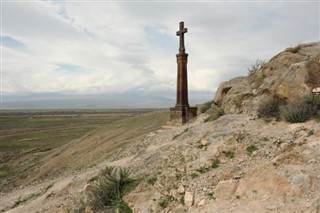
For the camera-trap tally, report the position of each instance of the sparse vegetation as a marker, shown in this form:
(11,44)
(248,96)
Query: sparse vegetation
(5,170)
(270,108)
(210,195)
(204,107)
(294,49)
(31,196)
(300,110)
(239,136)
(106,195)
(181,200)
(237,103)
(152,180)
(164,201)
(203,169)
(256,66)
(215,164)
(215,115)
(250,149)
(310,132)
(177,135)
(229,154)
(194,175)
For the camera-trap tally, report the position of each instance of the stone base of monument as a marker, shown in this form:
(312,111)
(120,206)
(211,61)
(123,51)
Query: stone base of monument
(182,115)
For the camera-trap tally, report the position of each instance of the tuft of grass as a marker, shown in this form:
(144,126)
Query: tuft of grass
(229,154)
(203,169)
(270,108)
(211,195)
(106,195)
(164,202)
(310,132)
(79,206)
(215,164)
(23,200)
(31,196)
(250,149)
(152,180)
(181,200)
(194,175)
(299,111)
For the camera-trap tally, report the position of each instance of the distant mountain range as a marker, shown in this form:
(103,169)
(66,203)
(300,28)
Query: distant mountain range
(95,101)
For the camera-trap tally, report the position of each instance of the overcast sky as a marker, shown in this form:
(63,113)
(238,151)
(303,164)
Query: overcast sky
(129,47)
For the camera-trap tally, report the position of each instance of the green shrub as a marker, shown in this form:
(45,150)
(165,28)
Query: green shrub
(164,202)
(106,195)
(215,164)
(152,180)
(270,108)
(229,154)
(202,169)
(250,149)
(181,200)
(299,111)
(194,175)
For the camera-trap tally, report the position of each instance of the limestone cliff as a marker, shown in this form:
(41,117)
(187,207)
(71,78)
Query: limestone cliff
(291,74)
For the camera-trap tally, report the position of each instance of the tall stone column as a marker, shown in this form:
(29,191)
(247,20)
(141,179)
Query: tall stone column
(182,81)
(182,112)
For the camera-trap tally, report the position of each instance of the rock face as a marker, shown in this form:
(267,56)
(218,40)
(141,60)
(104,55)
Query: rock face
(290,74)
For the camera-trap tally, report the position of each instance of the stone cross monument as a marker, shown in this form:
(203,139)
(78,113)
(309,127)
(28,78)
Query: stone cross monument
(182,112)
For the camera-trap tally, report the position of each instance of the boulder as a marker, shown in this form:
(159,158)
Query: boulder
(188,199)
(226,188)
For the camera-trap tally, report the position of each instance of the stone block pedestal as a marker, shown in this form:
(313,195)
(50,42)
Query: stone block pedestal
(182,115)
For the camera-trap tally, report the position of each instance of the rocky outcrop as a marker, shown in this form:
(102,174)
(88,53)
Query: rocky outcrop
(281,175)
(290,74)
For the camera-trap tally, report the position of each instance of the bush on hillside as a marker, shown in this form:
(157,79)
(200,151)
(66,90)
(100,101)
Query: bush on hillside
(270,108)
(256,66)
(301,110)
(106,195)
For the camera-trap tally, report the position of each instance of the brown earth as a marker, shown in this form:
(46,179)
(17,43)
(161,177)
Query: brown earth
(282,175)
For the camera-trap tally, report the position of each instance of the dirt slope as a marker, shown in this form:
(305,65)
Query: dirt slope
(281,175)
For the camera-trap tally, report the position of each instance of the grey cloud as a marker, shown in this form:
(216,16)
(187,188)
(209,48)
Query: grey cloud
(30,20)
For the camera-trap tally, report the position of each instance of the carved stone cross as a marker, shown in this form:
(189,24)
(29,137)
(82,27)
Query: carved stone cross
(182,112)
(181,33)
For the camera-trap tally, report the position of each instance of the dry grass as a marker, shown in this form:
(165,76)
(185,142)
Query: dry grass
(36,155)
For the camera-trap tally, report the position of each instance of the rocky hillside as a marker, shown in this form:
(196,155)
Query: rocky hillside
(236,163)
(290,74)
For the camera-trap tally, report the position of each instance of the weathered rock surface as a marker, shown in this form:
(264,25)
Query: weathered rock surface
(290,74)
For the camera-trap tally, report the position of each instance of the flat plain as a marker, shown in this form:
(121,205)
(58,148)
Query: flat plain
(35,145)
